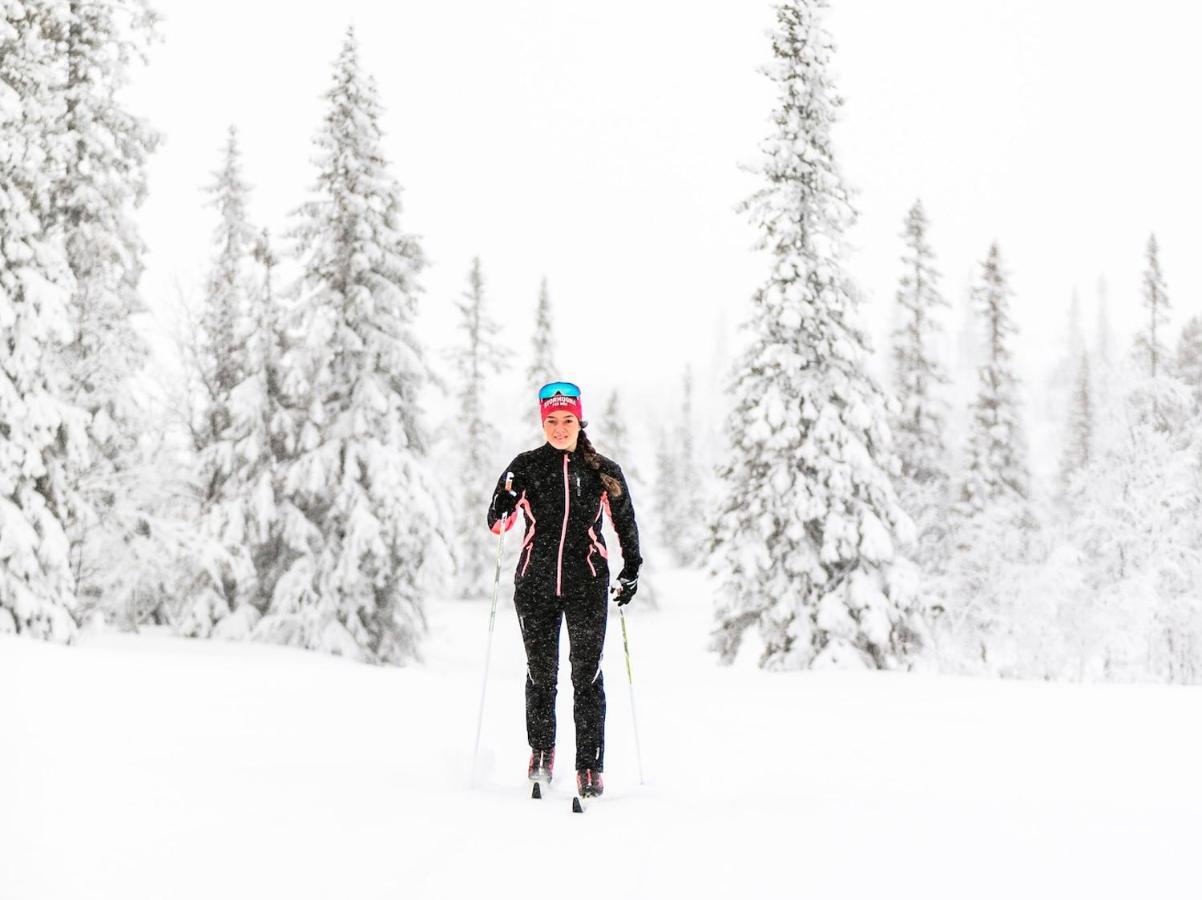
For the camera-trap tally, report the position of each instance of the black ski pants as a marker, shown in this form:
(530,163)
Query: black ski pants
(539,616)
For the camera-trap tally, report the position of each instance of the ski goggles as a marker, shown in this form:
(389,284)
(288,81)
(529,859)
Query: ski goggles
(566,388)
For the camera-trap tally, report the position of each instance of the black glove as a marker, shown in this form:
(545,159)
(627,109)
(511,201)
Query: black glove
(625,589)
(505,502)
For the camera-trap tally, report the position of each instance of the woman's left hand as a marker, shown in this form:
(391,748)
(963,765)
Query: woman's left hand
(624,590)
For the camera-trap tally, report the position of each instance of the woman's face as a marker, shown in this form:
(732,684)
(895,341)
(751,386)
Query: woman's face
(561,430)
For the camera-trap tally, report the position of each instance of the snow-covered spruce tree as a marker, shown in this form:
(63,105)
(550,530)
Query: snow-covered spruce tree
(102,149)
(264,418)
(1150,348)
(968,342)
(226,301)
(39,429)
(542,369)
(615,443)
(807,530)
(1104,337)
(997,465)
(1102,374)
(667,490)
(993,528)
(694,488)
(1058,382)
(1075,336)
(369,545)
(617,437)
(1188,366)
(1078,442)
(478,359)
(680,490)
(227,506)
(920,421)
(667,493)
(1073,371)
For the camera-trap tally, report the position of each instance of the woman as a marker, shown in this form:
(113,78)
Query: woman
(562,571)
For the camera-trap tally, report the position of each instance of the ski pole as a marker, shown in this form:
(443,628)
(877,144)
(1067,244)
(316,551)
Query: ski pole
(492,618)
(638,750)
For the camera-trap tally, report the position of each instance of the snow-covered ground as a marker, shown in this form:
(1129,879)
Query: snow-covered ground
(153,767)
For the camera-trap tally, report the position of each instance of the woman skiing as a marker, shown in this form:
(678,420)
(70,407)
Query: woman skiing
(561,489)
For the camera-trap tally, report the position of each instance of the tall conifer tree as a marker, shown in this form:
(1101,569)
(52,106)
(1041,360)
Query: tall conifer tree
(680,490)
(1150,342)
(617,436)
(542,367)
(615,443)
(478,358)
(993,526)
(918,376)
(807,530)
(694,487)
(1105,339)
(997,464)
(103,149)
(229,505)
(1073,372)
(1078,445)
(40,432)
(369,544)
(265,422)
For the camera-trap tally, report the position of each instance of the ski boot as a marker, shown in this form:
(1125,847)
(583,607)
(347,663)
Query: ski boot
(541,764)
(589,783)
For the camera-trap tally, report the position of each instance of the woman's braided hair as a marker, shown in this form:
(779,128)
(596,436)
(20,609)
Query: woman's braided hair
(593,461)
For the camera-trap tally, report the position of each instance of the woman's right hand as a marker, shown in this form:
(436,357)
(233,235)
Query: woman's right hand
(507,498)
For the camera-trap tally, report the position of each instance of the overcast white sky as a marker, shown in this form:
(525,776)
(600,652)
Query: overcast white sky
(598,144)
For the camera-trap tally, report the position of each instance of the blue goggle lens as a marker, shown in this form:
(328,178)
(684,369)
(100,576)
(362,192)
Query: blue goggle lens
(547,391)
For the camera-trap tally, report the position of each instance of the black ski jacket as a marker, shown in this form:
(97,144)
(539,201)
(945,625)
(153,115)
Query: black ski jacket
(562,499)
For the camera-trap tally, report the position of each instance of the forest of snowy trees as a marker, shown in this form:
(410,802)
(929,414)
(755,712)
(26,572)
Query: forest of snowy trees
(284,487)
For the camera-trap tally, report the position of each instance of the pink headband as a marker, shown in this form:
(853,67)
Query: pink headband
(560,403)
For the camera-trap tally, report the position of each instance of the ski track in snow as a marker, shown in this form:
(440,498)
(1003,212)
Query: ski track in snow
(153,767)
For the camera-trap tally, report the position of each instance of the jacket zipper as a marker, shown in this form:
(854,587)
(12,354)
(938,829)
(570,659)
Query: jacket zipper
(567,505)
